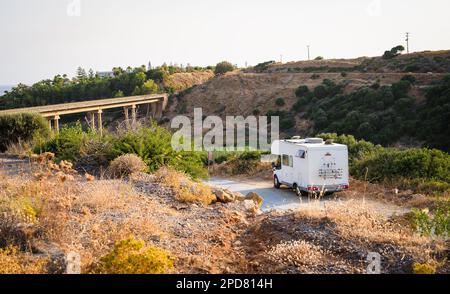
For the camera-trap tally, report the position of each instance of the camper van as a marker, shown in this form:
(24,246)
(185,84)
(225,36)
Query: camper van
(310,166)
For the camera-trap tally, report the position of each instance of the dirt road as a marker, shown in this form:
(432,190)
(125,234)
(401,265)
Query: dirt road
(285,199)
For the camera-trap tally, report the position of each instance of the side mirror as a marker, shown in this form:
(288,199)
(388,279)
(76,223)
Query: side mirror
(274,165)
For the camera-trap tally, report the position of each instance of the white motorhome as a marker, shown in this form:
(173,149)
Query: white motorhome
(311,166)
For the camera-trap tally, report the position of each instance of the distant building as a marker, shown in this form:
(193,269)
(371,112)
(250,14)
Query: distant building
(105,74)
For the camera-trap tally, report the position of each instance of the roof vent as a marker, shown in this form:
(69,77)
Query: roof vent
(313,140)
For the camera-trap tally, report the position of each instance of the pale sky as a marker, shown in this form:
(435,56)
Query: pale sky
(42,38)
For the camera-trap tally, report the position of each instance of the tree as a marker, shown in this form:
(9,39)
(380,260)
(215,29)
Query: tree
(223,67)
(302,91)
(150,87)
(394,52)
(320,91)
(81,73)
(318,58)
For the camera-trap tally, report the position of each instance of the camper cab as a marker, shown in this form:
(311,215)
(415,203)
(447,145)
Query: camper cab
(310,166)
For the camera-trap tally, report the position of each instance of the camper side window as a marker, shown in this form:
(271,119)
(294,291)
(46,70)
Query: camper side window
(291,161)
(301,154)
(285,160)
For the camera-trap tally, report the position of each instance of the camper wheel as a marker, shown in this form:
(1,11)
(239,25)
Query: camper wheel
(297,190)
(276,182)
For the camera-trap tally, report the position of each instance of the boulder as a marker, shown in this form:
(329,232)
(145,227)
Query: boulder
(255,197)
(224,196)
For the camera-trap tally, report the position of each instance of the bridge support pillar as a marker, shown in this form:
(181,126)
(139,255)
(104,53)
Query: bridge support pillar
(159,110)
(49,120)
(56,123)
(100,122)
(153,110)
(127,117)
(133,114)
(91,120)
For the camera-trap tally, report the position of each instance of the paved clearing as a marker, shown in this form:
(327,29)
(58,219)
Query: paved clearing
(284,198)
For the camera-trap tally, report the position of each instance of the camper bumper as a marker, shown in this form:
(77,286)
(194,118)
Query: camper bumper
(329,188)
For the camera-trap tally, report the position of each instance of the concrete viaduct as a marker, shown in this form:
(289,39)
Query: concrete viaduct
(94,108)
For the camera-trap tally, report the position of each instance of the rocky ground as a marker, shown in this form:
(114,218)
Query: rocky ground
(230,235)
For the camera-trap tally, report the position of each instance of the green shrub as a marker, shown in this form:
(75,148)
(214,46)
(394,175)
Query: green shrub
(72,143)
(300,104)
(131,256)
(153,145)
(21,127)
(260,67)
(409,78)
(401,88)
(223,67)
(280,102)
(320,91)
(436,223)
(302,91)
(410,164)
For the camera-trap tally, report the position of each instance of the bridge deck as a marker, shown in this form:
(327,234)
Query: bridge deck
(92,105)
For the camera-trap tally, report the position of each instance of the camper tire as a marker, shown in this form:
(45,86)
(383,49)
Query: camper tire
(276,182)
(297,190)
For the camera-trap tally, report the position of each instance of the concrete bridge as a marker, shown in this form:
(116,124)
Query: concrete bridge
(94,108)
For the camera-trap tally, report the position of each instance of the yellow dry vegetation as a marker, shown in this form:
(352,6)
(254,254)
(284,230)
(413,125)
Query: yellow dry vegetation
(185,189)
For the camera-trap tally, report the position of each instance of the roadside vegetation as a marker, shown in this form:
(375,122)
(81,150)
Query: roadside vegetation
(380,114)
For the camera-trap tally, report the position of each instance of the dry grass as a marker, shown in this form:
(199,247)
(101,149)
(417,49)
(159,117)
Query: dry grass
(78,216)
(126,165)
(298,253)
(12,261)
(356,222)
(20,149)
(184,188)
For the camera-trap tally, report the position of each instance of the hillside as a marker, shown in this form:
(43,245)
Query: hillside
(256,91)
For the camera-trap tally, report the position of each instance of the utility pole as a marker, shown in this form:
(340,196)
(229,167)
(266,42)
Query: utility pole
(281,58)
(407,42)
(308,52)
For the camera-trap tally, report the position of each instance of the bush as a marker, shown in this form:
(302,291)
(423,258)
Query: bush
(409,78)
(223,67)
(320,92)
(435,224)
(126,165)
(401,89)
(300,104)
(153,145)
(72,143)
(423,163)
(21,127)
(185,190)
(131,256)
(424,269)
(302,91)
(260,67)
(280,102)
